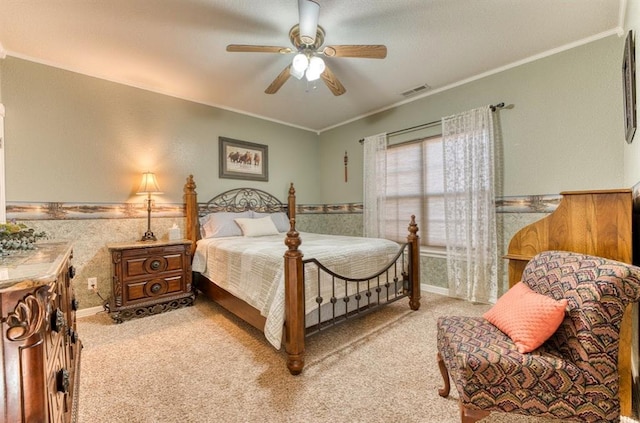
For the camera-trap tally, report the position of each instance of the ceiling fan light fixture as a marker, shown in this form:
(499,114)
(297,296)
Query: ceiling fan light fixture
(311,76)
(316,65)
(300,62)
(315,68)
(309,12)
(298,74)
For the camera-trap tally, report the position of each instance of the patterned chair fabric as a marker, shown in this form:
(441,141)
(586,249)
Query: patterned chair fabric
(573,375)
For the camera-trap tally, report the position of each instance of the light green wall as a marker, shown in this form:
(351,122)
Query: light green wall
(564,124)
(74,138)
(564,131)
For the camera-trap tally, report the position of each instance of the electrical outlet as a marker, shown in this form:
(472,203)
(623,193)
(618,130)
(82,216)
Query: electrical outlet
(93,283)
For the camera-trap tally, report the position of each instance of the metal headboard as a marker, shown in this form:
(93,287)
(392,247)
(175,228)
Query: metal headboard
(243,199)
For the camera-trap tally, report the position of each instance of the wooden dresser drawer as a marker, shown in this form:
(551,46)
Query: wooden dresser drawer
(149,277)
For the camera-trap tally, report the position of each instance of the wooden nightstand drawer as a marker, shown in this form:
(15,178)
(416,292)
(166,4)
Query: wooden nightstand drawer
(151,264)
(154,288)
(149,278)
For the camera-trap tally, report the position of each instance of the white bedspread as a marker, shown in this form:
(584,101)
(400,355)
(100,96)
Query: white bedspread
(252,269)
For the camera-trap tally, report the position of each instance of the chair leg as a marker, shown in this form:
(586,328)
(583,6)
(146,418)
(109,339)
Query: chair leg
(471,415)
(443,392)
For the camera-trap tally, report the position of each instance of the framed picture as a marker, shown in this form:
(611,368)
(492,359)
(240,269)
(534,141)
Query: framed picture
(629,87)
(243,160)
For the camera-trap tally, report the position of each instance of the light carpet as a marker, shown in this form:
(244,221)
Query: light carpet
(202,364)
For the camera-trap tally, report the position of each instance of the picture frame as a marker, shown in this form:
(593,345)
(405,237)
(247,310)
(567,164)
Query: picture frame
(629,87)
(243,160)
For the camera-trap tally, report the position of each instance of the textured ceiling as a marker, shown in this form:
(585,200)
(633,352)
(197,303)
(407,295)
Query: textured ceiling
(177,47)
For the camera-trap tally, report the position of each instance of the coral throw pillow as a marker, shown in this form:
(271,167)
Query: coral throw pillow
(527,317)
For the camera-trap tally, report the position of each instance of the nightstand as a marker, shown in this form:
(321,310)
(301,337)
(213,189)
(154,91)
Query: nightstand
(149,277)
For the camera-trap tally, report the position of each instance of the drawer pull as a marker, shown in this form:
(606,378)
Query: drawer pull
(156,287)
(62,381)
(155,264)
(72,272)
(75,304)
(58,322)
(73,335)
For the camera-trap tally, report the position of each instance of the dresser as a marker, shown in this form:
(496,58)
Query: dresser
(149,277)
(40,345)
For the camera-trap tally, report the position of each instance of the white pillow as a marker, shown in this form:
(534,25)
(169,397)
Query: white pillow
(221,224)
(257,227)
(280,219)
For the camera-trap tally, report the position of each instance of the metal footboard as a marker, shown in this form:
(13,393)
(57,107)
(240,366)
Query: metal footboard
(354,297)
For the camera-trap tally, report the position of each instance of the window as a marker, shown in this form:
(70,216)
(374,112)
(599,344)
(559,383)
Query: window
(415,185)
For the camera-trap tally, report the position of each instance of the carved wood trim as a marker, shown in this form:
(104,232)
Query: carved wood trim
(27,317)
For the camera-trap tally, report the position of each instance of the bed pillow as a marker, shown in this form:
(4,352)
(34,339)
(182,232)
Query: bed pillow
(527,317)
(280,219)
(221,224)
(257,227)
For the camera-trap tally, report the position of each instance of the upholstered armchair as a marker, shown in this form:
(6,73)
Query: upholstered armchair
(573,375)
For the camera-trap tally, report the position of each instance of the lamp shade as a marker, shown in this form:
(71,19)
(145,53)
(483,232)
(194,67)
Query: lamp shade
(149,184)
(299,65)
(316,67)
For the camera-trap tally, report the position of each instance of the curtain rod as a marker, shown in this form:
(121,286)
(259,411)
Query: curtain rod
(428,124)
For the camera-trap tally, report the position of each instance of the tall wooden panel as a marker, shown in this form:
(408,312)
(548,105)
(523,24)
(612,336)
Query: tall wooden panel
(590,222)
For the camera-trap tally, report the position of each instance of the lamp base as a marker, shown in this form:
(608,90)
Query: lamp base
(148,236)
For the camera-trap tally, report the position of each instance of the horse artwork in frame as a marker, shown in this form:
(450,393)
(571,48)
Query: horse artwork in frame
(243,160)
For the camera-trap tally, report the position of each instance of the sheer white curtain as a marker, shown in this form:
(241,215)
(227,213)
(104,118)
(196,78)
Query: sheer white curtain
(470,217)
(375,181)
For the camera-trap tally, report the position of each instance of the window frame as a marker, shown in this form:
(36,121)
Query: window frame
(427,191)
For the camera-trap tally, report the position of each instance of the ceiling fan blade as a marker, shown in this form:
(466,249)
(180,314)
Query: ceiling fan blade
(309,11)
(243,48)
(279,81)
(365,51)
(332,82)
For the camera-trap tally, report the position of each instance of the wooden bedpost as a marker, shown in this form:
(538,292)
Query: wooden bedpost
(191,211)
(294,301)
(292,202)
(414,263)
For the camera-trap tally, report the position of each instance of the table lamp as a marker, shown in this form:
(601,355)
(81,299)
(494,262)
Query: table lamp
(148,186)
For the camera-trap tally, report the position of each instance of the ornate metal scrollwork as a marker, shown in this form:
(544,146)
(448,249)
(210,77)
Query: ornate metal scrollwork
(28,316)
(242,199)
(142,311)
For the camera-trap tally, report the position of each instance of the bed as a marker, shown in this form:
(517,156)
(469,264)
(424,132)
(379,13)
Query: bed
(246,257)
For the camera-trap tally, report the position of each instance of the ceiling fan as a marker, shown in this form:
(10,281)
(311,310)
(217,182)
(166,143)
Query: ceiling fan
(307,38)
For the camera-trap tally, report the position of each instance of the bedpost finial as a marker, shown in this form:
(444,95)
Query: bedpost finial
(190,186)
(292,190)
(413,226)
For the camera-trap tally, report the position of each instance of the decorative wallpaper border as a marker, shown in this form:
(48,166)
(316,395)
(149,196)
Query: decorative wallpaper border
(75,211)
(528,204)
(346,208)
